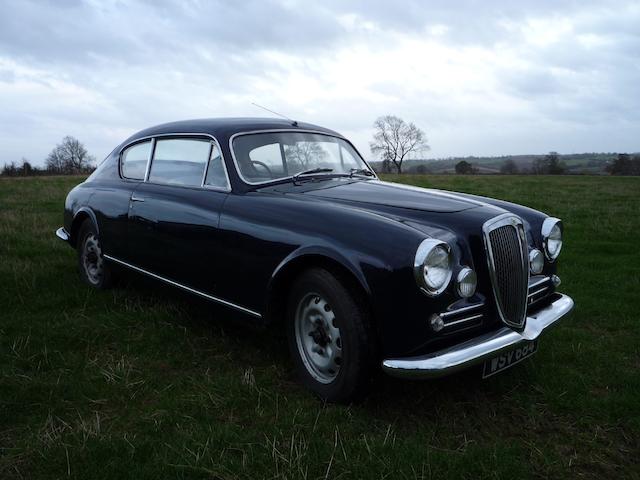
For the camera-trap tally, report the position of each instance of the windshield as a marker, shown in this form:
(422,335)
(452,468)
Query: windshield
(264,157)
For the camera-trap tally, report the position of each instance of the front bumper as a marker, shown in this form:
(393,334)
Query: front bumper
(452,359)
(62,234)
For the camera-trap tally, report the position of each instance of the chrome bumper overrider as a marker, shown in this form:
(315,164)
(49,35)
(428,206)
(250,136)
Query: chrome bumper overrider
(471,352)
(62,234)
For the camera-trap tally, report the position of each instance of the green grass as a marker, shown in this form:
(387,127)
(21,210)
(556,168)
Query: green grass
(144,382)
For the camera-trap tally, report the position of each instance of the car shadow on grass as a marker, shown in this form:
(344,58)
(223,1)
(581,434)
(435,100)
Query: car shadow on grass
(254,345)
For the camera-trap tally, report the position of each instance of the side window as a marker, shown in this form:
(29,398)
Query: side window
(134,160)
(180,161)
(216,176)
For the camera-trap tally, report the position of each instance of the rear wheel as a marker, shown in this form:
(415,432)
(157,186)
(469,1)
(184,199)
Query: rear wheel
(330,338)
(94,270)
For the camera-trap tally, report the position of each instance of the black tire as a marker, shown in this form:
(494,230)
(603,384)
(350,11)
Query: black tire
(357,340)
(101,277)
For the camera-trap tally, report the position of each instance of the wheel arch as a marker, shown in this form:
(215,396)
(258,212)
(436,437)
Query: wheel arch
(79,217)
(299,261)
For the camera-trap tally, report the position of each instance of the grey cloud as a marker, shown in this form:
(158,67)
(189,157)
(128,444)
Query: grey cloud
(133,63)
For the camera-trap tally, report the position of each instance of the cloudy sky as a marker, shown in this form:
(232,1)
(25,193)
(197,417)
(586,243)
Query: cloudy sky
(480,77)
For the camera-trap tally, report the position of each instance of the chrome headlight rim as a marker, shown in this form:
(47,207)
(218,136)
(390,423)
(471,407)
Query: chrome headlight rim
(547,228)
(425,249)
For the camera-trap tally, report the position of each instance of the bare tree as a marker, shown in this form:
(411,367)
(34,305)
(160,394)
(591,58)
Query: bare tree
(69,156)
(395,140)
(305,153)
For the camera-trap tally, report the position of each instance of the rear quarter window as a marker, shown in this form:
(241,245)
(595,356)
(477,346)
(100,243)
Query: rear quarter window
(134,160)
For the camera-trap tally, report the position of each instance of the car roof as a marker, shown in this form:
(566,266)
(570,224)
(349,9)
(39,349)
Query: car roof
(225,127)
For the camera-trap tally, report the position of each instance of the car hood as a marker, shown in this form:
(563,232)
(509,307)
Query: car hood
(385,194)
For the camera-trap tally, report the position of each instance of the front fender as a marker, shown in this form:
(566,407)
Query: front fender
(323,252)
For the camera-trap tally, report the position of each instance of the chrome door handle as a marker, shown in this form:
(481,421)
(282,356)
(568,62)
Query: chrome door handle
(136,199)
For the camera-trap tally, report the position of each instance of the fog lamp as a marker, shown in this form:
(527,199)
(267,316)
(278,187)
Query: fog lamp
(536,261)
(466,282)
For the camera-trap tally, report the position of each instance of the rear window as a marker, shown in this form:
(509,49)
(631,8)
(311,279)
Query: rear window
(180,161)
(134,160)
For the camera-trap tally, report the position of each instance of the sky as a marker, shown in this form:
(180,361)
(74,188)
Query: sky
(479,77)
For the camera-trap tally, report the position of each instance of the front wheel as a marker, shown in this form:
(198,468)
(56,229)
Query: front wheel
(94,270)
(330,337)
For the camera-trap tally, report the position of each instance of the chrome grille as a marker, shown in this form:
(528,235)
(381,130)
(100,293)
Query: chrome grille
(508,267)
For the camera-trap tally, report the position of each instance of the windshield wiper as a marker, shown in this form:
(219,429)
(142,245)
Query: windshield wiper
(310,172)
(360,171)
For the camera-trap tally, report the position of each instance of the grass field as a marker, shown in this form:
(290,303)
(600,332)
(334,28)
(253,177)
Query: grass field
(145,382)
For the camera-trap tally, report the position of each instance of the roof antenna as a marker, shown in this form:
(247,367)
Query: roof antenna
(293,122)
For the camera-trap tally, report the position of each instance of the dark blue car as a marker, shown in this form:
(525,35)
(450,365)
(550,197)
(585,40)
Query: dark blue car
(286,223)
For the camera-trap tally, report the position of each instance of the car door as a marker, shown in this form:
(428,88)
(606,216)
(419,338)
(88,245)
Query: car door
(174,216)
(111,196)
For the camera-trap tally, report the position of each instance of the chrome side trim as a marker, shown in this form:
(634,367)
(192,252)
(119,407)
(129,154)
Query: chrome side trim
(284,130)
(533,283)
(184,287)
(463,320)
(458,311)
(537,292)
(62,234)
(476,350)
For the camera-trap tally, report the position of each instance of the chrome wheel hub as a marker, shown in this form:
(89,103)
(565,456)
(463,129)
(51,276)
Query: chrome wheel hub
(92,259)
(318,338)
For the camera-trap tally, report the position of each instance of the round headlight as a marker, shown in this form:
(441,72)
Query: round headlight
(536,261)
(432,266)
(466,282)
(552,237)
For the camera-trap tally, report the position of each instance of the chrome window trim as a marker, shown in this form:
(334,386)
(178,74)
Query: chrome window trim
(153,138)
(206,167)
(489,226)
(184,287)
(132,144)
(224,166)
(152,152)
(287,130)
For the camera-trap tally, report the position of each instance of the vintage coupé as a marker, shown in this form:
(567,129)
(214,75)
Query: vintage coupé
(286,223)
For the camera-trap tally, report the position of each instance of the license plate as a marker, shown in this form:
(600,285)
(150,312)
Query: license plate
(509,358)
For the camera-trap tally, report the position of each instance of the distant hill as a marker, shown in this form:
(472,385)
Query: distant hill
(575,163)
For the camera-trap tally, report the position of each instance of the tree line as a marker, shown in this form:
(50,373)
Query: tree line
(69,157)
(395,141)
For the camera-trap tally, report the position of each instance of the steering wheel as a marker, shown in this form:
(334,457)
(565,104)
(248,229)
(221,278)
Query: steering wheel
(263,165)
